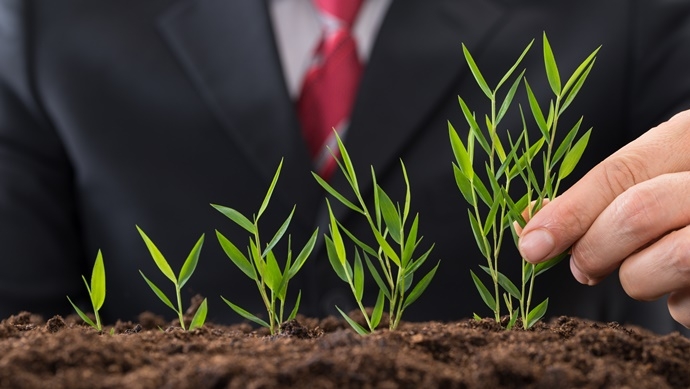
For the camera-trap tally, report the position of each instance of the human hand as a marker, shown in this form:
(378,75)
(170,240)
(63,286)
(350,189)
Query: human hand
(631,211)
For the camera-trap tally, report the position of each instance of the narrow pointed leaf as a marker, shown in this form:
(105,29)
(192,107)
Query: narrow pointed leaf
(578,75)
(420,287)
(566,144)
(269,192)
(368,249)
(236,217)
(476,73)
(355,326)
(462,157)
(337,194)
(474,127)
(236,256)
(537,313)
(377,312)
(82,315)
(334,260)
(408,195)
(279,234)
(386,247)
(390,215)
(478,235)
(338,242)
(491,217)
(551,67)
(418,262)
(573,156)
(295,309)
(537,112)
(158,257)
(377,277)
(273,275)
(97,290)
(304,254)
(576,88)
(508,100)
(546,265)
(158,292)
(347,161)
(199,316)
(358,277)
(464,185)
(515,65)
(505,283)
(245,314)
(410,242)
(484,292)
(190,263)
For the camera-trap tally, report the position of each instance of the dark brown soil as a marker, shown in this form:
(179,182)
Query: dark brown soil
(567,353)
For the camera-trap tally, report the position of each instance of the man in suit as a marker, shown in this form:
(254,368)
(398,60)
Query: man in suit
(114,115)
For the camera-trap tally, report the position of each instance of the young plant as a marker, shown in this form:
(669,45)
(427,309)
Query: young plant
(396,241)
(493,211)
(263,268)
(179,281)
(96,293)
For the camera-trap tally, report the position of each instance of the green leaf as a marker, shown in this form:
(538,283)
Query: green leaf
(377,277)
(546,265)
(279,234)
(410,243)
(573,156)
(420,287)
(513,319)
(386,247)
(537,112)
(551,67)
(295,309)
(576,88)
(464,185)
(481,190)
(97,289)
(377,312)
(349,167)
(358,277)
(566,143)
(476,73)
(495,140)
(474,127)
(479,235)
(355,326)
(338,242)
(418,262)
(82,315)
(190,263)
(491,217)
(304,254)
(390,215)
(336,194)
(359,243)
(337,266)
(239,259)
(484,292)
(199,316)
(236,217)
(158,257)
(537,313)
(579,75)
(462,157)
(267,198)
(505,283)
(273,275)
(509,98)
(158,292)
(408,195)
(515,65)
(246,314)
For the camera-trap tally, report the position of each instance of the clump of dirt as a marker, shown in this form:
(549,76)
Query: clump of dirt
(567,352)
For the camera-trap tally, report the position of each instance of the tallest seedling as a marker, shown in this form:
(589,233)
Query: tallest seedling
(492,211)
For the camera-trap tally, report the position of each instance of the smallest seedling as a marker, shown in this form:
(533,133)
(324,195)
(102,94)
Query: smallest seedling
(179,281)
(96,293)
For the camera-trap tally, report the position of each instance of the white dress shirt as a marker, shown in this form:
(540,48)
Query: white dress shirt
(298,31)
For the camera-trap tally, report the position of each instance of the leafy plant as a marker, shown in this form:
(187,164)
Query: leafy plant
(179,281)
(96,293)
(263,268)
(493,211)
(394,254)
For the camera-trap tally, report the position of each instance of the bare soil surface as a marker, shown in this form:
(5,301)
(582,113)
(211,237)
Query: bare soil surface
(309,353)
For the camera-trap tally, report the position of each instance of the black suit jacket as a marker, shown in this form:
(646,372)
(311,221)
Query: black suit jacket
(115,114)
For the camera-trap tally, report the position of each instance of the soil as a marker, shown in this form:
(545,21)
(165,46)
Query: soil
(309,353)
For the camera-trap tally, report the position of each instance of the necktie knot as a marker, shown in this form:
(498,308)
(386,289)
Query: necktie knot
(337,13)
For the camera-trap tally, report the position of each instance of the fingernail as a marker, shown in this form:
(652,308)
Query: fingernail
(579,276)
(536,245)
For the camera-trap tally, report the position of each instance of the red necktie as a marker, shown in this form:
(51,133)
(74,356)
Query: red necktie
(330,84)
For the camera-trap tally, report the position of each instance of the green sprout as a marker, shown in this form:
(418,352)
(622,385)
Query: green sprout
(96,293)
(179,281)
(394,255)
(493,211)
(263,268)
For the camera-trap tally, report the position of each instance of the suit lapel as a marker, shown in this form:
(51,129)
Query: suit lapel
(416,61)
(229,51)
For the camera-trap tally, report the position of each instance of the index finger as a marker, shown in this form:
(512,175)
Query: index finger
(663,149)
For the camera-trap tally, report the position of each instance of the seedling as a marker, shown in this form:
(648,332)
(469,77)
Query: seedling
(263,268)
(179,281)
(493,211)
(96,293)
(394,255)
